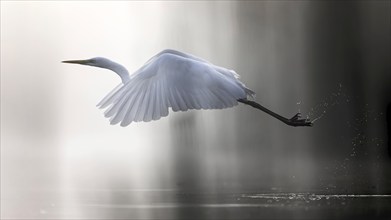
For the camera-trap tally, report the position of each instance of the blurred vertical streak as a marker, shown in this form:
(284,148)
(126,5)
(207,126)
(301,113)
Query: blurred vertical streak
(375,39)
(350,44)
(271,57)
(106,165)
(336,59)
(203,141)
(29,124)
(389,128)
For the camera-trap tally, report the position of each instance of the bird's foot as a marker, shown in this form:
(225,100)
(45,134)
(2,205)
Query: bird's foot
(296,121)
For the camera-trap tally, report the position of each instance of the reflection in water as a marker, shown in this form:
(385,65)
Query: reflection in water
(175,205)
(164,204)
(310,196)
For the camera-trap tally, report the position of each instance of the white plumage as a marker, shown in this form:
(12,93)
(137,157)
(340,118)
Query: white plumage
(170,79)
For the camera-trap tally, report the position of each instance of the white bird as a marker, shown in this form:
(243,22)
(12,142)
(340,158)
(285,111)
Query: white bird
(176,80)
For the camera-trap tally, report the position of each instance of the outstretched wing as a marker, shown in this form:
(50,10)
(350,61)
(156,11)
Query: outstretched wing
(172,81)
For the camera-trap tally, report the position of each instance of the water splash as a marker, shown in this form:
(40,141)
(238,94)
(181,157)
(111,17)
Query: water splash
(319,110)
(360,123)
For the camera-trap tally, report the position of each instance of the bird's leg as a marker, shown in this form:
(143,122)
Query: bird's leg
(295,121)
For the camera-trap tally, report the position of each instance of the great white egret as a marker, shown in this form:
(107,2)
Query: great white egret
(176,80)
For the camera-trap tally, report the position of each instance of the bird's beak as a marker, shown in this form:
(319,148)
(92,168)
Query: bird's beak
(76,61)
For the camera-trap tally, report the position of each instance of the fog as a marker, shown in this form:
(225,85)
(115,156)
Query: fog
(61,159)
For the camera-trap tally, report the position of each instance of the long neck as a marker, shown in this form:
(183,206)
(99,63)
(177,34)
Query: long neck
(120,70)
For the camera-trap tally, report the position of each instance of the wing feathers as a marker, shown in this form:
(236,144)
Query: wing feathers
(135,106)
(163,99)
(172,80)
(116,94)
(142,104)
(117,104)
(119,115)
(150,101)
(173,101)
(109,95)
(129,117)
(158,105)
(181,101)
(151,104)
(120,109)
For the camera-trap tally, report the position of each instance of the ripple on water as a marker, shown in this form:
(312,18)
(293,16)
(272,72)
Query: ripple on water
(310,196)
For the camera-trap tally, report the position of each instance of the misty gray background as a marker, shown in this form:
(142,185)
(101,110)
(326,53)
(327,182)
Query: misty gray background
(60,156)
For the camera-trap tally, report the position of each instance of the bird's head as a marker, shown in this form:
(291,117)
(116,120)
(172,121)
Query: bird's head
(96,61)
